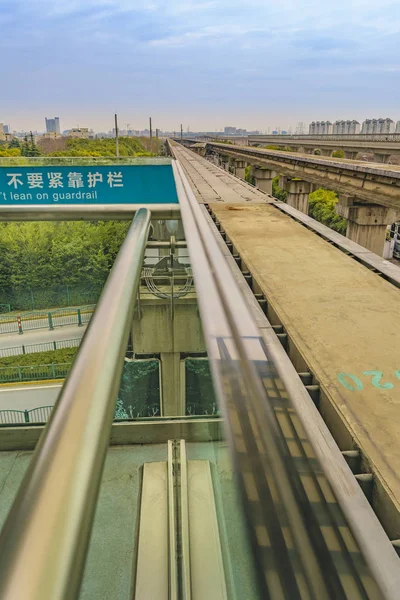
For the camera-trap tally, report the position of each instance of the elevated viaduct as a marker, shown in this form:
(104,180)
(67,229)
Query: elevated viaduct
(381,146)
(369,193)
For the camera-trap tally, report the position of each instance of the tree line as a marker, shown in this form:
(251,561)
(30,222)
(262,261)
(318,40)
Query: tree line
(128,147)
(48,255)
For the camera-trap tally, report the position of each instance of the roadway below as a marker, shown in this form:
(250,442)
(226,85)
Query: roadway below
(26,397)
(43,336)
(32,323)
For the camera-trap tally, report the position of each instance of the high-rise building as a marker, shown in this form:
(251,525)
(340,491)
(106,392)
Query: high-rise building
(378,126)
(348,127)
(53,125)
(320,128)
(6,129)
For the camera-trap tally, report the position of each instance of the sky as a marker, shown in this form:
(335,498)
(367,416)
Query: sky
(256,64)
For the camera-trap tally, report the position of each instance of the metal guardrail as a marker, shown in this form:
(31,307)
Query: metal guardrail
(41,414)
(53,511)
(86,212)
(34,372)
(46,320)
(44,347)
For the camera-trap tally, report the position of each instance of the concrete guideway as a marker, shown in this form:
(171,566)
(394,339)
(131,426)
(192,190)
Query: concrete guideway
(211,185)
(339,318)
(382,146)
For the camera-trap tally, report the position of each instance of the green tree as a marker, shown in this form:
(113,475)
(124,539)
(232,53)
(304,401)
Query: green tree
(322,208)
(15,143)
(248,176)
(278,192)
(44,256)
(338,154)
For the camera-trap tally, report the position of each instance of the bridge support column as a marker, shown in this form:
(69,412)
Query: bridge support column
(326,152)
(298,192)
(263,178)
(240,168)
(350,154)
(367,223)
(223,161)
(171,383)
(381,158)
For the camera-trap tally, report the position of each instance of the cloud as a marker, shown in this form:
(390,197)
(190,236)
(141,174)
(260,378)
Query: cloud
(257,57)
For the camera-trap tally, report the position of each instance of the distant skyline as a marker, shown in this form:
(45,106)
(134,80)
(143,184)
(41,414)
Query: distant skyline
(204,63)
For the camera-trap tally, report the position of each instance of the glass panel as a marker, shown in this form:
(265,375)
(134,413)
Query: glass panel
(199,390)
(139,392)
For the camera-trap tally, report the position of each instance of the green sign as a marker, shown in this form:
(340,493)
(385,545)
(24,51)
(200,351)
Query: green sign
(97,184)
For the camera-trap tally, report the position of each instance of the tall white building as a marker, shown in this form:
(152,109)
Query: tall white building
(320,128)
(378,126)
(348,127)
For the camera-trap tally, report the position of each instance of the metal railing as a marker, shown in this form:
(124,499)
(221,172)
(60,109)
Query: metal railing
(85,212)
(21,373)
(52,514)
(44,347)
(46,320)
(41,414)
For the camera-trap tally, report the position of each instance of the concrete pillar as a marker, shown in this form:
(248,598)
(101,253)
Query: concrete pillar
(263,178)
(367,223)
(326,151)
(298,192)
(381,158)
(225,163)
(350,154)
(172,400)
(240,168)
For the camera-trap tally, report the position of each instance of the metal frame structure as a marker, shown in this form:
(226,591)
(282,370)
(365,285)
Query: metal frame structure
(46,535)
(85,212)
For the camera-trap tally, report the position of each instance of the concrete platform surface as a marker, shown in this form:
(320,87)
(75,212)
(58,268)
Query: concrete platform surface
(343,321)
(108,572)
(112,553)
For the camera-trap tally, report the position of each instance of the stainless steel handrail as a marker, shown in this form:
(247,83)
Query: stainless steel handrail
(85,212)
(237,354)
(44,542)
